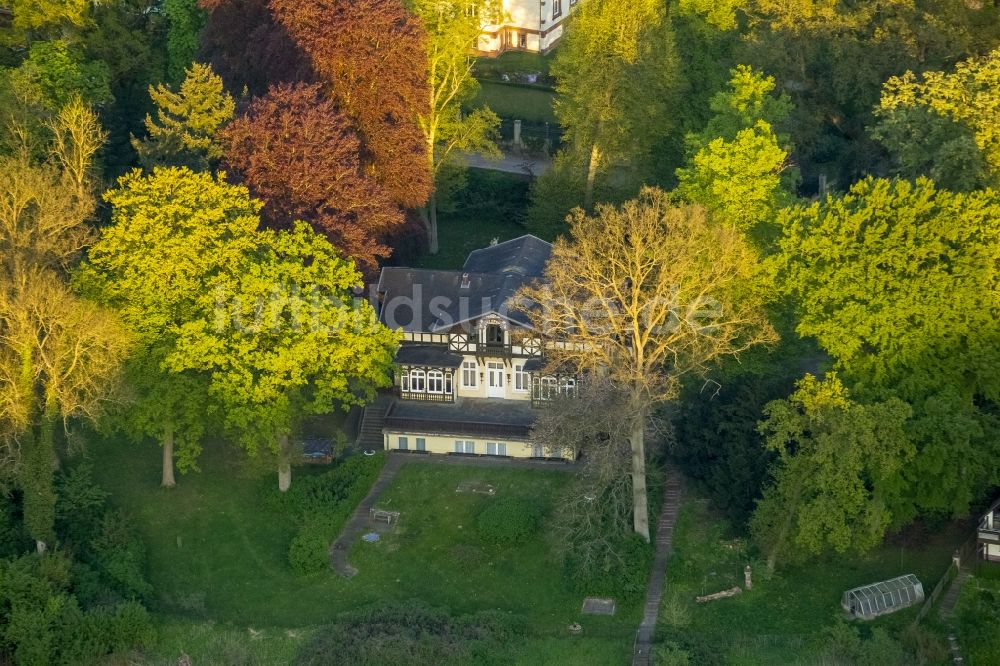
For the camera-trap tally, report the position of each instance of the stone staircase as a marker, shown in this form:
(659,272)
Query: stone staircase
(672,494)
(372,421)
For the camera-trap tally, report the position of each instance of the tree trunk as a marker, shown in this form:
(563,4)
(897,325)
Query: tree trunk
(167,480)
(284,464)
(640,508)
(432,224)
(593,165)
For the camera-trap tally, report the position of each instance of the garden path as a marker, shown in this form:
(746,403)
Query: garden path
(672,493)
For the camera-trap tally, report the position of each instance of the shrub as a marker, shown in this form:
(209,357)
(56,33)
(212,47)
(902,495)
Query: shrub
(411,633)
(309,550)
(508,521)
(616,567)
(120,556)
(320,505)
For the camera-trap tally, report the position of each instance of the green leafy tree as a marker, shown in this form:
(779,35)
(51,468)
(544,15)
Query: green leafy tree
(943,124)
(452,32)
(187,19)
(897,282)
(185,130)
(739,167)
(837,472)
(617,73)
(172,234)
(289,340)
(34,20)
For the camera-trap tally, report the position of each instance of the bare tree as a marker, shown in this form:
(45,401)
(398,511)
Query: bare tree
(644,294)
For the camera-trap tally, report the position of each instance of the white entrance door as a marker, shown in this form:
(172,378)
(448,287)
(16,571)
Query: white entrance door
(494,380)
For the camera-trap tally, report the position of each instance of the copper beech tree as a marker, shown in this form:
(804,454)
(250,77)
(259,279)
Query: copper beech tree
(371,55)
(299,153)
(645,294)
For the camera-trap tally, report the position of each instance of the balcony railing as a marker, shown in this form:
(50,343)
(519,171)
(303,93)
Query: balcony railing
(424,396)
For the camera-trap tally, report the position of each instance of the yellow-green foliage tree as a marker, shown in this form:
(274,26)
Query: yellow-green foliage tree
(185,131)
(617,74)
(453,29)
(262,322)
(837,473)
(897,281)
(60,355)
(944,124)
(739,166)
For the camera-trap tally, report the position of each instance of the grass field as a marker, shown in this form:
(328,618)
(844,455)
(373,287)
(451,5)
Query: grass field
(517,102)
(217,562)
(780,618)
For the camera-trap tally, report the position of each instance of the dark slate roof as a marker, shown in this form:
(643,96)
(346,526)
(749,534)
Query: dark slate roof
(482,417)
(429,355)
(525,256)
(431,301)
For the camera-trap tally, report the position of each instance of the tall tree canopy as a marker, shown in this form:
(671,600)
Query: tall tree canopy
(898,282)
(648,293)
(185,130)
(739,166)
(837,473)
(372,56)
(302,157)
(944,124)
(617,73)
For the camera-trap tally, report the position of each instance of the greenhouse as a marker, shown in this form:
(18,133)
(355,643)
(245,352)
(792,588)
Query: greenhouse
(870,601)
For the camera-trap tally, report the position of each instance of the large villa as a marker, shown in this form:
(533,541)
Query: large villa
(471,370)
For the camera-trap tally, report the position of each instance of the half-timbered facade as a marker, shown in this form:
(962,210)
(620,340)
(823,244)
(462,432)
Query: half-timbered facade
(471,370)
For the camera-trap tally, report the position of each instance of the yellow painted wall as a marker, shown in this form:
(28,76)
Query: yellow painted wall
(446,444)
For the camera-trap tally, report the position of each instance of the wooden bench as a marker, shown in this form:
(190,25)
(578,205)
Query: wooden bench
(385,516)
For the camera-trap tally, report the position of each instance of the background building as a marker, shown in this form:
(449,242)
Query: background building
(529,25)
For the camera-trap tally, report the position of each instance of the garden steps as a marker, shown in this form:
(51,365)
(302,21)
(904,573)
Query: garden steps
(372,421)
(672,494)
(951,597)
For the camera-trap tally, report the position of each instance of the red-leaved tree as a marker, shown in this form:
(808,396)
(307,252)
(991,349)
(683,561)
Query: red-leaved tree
(248,48)
(296,151)
(372,55)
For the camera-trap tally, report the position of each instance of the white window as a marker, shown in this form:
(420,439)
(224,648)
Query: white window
(469,369)
(548,388)
(556,9)
(522,380)
(464,446)
(421,444)
(435,381)
(404,444)
(417,380)
(447,382)
(496,449)
(404,381)
(567,386)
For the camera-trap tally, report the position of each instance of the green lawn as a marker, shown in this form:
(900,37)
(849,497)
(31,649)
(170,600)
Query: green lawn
(514,61)
(777,621)
(517,102)
(217,561)
(492,206)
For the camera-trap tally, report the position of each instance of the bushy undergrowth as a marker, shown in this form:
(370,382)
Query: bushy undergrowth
(81,600)
(508,521)
(320,505)
(412,633)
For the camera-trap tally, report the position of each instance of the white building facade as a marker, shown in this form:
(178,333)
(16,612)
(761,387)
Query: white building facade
(527,25)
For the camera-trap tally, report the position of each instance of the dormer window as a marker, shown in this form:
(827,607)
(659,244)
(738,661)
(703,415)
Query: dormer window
(466,282)
(494,334)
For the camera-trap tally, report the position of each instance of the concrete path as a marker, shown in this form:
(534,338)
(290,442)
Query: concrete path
(359,520)
(672,493)
(510,163)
